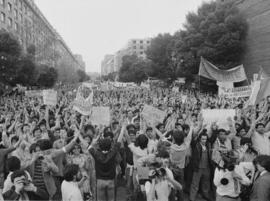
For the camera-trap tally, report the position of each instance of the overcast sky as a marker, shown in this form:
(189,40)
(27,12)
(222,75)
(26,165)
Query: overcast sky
(94,28)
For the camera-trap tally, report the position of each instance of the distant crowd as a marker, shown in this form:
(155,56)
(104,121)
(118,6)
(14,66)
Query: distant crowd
(56,153)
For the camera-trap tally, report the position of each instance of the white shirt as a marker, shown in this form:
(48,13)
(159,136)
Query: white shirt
(228,189)
(70,191)
(137,153)
(261,142)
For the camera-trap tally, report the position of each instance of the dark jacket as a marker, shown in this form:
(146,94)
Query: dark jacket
(38,195)
(261,188)
(105,163)
(197,154)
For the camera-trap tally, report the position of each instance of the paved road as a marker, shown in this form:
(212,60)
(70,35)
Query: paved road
(121,194)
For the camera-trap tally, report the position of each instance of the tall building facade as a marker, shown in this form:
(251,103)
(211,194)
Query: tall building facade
(257,53)
(28,25)
(134,47)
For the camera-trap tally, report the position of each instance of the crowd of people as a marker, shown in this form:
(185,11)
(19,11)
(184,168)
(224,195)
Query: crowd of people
(56,153)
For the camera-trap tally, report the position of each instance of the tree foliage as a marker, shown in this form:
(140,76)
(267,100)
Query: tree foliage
(19,68)
(47,77)
(217,32)
(133,69)
(160,53)
(82,76)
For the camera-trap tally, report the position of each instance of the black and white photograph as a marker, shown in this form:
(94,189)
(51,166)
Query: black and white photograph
(134,100)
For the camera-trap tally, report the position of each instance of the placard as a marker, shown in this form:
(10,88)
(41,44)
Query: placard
(220,116)
(153,115)
(101,116)
(81,104)
(50,97)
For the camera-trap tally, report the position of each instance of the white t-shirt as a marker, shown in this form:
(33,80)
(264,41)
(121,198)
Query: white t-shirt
(70,191)
(137,153)
(261,142)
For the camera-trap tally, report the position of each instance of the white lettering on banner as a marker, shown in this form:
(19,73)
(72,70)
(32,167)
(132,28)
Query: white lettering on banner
(50,97)
(237,92)
(101,116)
(153,115)
(33,93)
(220,116)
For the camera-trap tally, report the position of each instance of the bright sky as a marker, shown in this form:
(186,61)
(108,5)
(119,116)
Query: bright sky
(94,28)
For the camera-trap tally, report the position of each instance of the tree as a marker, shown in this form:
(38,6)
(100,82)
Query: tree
(133,69)
(82,76)
(10,51)
(216,32)
(161,54)
(47,77)
(26,72)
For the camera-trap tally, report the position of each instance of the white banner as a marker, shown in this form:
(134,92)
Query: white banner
(220,116)
(101,116)
(153,115)
(237,92)
(49,97)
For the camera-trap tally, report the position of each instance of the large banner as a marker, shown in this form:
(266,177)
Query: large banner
(81,104)
(237,92)
(49,97)
(220,116)
(153,115)
(101,116)
(210,71)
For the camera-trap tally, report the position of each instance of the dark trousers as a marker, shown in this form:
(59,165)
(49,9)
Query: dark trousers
(202,176)
(178,174)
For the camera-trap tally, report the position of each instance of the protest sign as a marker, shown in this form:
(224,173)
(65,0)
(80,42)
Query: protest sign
(237,92)
(101,116)
(184,98)
(153,115)
(33,93)
(81,104)
(49,97)
(220,116)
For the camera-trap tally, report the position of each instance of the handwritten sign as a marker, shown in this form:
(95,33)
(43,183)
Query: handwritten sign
(220,116)
(153,115)
(49,97)
(100,115)
(81,104)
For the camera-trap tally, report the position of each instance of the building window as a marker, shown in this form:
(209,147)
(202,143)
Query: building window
(134,47)
(141,52)
(16,2)
(2,2)
(141,41)
(3,17)
(9,7)
(21,17)
(141,47)
(134,42)
(9,22)
(16,14)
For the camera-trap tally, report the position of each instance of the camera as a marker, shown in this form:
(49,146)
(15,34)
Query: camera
(161,172)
